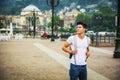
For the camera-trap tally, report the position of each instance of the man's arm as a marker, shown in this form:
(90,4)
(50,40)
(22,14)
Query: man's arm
(88,52)
(66,49)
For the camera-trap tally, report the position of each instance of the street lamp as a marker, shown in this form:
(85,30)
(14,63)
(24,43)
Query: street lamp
(117,44)
(99,19)
(28,21)
(34,23)
(52,4)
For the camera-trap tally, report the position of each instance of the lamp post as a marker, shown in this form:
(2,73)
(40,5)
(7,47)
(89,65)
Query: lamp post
(34,23)
(28,21)
(117,44)
(98,22)
(52,4)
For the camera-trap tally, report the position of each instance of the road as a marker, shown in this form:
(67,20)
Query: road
(36,59)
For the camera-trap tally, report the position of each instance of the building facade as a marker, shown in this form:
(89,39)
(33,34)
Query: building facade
(70,17)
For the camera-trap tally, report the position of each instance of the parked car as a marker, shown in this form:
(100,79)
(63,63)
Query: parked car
(64,36)
(90,33)
(103,33)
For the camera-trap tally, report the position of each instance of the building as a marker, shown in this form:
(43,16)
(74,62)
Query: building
(70,17)
(29,14)
(2,21)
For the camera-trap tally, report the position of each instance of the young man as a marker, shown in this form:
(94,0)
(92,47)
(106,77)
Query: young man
(79,44)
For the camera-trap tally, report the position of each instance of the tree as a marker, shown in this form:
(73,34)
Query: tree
(72,29)
(81,17)
(84,18)
(108,16)
(1,25)
(97,19)
(56,22)
(107,11)
(103,20)
(49,24)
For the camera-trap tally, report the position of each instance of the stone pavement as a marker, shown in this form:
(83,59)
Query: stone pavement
(35,59)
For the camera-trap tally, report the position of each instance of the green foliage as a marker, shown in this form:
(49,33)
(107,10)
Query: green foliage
(1,25)
(81,17)
(103,20)
(86,18)
(49,24)
(67,29)
(16,31)
(107,11)
(64,29)
(72,30)
(56,22)
(14,7)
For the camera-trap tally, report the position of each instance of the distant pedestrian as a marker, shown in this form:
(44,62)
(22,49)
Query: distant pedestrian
(44,35)
(79,44)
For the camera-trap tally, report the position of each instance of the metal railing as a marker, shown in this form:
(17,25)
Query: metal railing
(98,40)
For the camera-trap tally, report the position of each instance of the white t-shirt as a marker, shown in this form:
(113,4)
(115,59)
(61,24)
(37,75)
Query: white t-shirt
(81,45)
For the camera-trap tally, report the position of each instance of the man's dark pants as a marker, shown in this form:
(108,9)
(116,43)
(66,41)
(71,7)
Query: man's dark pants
(78,72)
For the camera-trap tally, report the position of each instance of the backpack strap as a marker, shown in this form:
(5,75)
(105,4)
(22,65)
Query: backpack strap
(75,47)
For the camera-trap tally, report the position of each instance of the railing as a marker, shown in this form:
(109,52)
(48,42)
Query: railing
(102,41)
(7,37)
(4,37)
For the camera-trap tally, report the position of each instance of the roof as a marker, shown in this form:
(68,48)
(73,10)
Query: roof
(73,12)
(30,8)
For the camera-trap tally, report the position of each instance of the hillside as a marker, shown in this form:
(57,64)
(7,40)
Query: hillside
(12,7)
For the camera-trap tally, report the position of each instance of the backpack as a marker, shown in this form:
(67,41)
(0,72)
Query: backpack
(70,55)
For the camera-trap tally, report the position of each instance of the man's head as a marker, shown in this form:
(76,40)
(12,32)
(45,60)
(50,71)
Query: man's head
(81,28)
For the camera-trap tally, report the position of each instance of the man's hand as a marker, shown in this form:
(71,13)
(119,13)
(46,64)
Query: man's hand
(73,51)
(88,54)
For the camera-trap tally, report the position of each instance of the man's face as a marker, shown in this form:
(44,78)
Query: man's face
(80,29)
